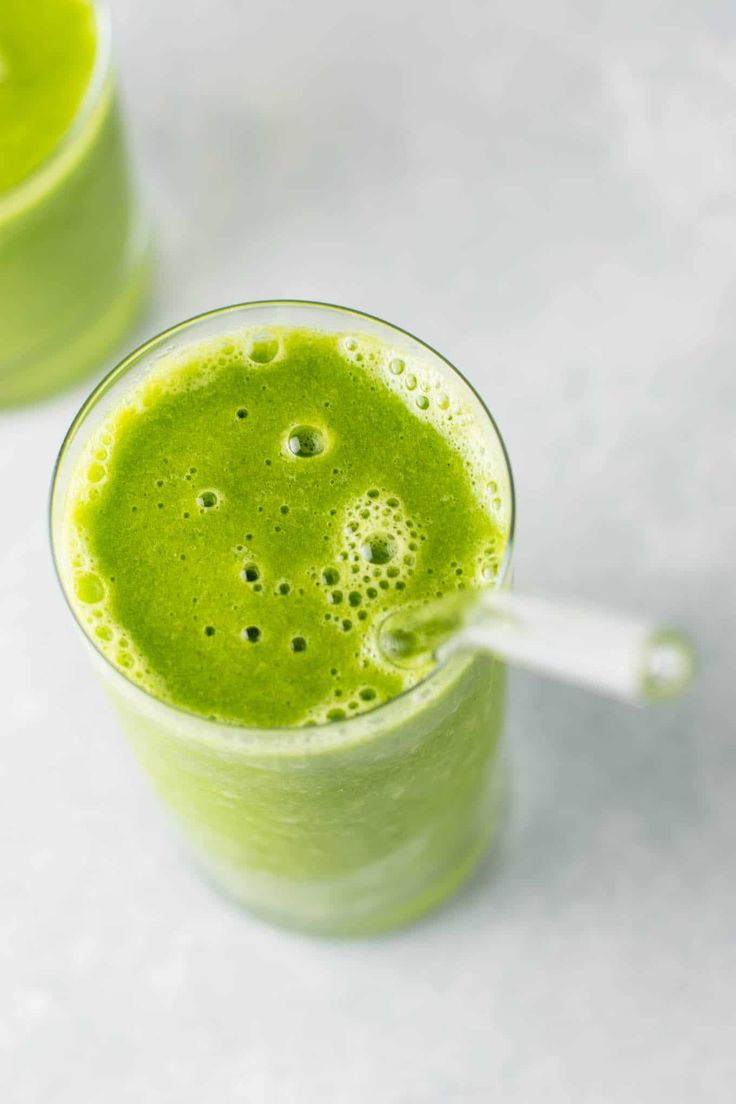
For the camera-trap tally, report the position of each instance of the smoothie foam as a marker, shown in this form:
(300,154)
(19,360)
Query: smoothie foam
(240,524)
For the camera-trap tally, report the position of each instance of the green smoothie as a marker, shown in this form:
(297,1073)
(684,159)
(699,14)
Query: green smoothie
(233,533)
(72,255)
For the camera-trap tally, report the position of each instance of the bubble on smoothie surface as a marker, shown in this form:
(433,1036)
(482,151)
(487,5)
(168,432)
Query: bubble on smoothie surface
(96,472)
(89,588)
(379,548)
(305,441)
(208,500)
(263,348)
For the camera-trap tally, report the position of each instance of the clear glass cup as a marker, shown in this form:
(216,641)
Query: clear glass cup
(351,826)
(74,249)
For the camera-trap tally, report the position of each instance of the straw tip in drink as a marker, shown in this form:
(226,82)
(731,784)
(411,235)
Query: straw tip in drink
(399,645)
(411,636)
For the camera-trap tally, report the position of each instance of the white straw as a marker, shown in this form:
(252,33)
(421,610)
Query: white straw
(623,656)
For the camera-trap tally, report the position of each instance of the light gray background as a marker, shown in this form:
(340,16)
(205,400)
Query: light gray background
(547,192)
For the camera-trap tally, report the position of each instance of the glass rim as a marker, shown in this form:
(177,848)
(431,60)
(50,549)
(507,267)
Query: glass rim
(315,735)
(28,189)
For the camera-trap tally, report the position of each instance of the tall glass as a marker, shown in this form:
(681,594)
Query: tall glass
(74,257)
(346,827)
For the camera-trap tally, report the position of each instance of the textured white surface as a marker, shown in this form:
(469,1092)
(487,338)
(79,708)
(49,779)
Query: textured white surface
(547,192)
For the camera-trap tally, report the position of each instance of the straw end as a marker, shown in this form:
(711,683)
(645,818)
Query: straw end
(668,667)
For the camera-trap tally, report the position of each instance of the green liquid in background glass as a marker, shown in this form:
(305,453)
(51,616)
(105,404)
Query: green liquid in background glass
(47,53)
(72,261)
(235,532)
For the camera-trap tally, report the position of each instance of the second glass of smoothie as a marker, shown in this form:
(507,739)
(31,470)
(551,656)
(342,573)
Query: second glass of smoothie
(235,511)
(74,256)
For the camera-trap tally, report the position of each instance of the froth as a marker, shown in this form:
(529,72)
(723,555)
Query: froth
(373,547)
(439,399)
(90,592)
(373,553)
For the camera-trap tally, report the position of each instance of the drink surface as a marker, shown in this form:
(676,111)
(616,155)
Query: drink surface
(47,54)
(242,521)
